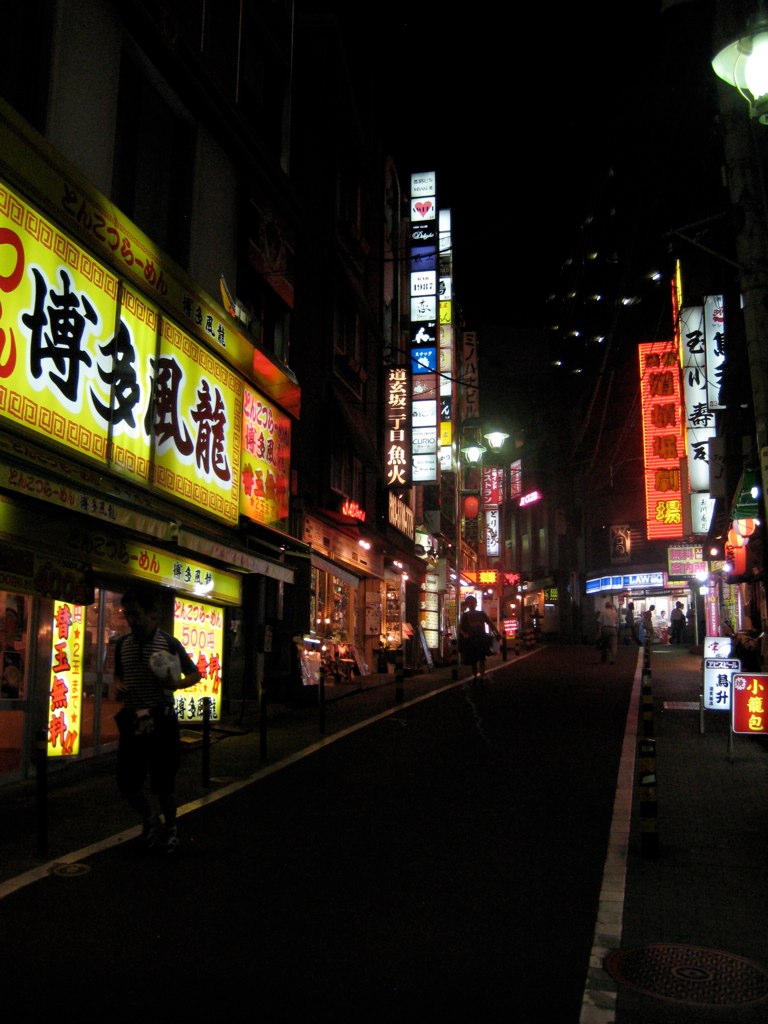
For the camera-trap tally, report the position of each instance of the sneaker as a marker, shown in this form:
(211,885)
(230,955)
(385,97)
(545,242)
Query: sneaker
(170,839)
(150,834)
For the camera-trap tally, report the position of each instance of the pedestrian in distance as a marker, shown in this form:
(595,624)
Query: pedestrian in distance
(631,621)
(677,620)
(609,633)
(149,665)
(476,638)
(648,626)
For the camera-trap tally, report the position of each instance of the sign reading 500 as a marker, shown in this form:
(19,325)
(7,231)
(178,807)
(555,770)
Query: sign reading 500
(200,628)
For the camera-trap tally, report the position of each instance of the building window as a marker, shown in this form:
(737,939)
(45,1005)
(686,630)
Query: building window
(153,169)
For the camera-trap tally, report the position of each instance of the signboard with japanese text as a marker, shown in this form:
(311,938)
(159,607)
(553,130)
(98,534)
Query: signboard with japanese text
(493,486)
(699,417)
(686,560)
(718,674)
(423,263)
(515,478)
(80,364)
(714,334)
(749,704)
(717,647)
(663,438)
(492,532)
(117,240)
(58,312)
(200,628)
(66,682)
(429,610)
(265,461)
(397,428)
(197,426)
(447,385)
(172,569)
(470,402)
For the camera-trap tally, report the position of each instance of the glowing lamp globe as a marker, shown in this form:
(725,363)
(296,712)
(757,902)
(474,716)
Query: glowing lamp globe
(743,63)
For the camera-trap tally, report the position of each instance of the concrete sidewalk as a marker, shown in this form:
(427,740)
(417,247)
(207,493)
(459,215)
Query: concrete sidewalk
(694,944)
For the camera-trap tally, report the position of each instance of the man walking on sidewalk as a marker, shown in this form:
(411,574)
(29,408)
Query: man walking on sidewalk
(609,633)
(149,665)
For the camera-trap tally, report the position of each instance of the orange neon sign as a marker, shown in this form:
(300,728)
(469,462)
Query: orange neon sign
(663,438)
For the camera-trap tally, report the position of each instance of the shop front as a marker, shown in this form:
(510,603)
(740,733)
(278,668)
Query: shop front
(139,429)
(63,576)
(348,605)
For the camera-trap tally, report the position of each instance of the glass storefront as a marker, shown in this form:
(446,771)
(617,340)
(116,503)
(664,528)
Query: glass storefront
(14,619)
(58,661)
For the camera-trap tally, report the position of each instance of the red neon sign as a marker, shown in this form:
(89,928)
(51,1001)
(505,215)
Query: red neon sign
(663,438)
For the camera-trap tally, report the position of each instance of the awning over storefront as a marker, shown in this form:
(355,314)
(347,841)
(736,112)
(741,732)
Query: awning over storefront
(335,570)
(234,557)
(746,501)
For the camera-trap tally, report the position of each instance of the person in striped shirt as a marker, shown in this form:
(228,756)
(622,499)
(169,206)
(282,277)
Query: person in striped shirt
(149,744)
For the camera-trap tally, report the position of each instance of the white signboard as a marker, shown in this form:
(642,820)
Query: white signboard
(718,674)
(717,647)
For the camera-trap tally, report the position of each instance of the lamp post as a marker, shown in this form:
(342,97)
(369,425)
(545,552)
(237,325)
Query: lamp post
(472,452)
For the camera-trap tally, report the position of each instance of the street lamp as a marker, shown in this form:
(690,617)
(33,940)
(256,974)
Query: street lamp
(496,439)
(470,454)
(743,63)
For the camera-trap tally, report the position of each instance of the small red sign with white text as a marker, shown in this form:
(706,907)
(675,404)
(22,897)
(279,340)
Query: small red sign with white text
(749,703)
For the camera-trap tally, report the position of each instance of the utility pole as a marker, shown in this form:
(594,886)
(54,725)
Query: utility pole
(748,200)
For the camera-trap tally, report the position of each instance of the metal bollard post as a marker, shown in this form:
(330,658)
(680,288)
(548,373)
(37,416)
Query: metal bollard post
(263,723)
(41,789)
(206,759)
(399,675)
(321,698)
(649,836)
(646,701)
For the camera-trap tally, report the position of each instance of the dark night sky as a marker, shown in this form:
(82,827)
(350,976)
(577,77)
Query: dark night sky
(521,113)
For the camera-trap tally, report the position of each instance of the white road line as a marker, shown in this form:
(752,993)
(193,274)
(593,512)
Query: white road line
(599,1001)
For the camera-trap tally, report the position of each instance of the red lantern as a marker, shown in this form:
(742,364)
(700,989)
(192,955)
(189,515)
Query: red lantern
(746,527)
(471,507)
(735,539)
(739,561)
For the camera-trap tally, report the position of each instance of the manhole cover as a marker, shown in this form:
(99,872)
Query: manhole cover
(689,974)
(70,870)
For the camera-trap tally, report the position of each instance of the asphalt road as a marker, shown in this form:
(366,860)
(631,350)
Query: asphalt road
(446,859)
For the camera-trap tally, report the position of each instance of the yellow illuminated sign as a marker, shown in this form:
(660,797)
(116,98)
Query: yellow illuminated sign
(89,364)
(165,568)
(200,628)
(198,406)
(265,461)
(66,679)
